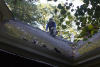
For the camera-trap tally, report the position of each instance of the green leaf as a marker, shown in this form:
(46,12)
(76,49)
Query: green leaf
(61,19)
(85,39)
(49,0)
(63,12)
(81,19)
(66,3)
(78,28)
(65,16)
(68,13)
(72,10)
(55,0)
(89,42)
(77,23)
(59,24)
(95,31)
(67,7)
(57,27)
(67,22)
(75,20)
(98,25)
(55,10)
(70,4)
(59,6)
(77,7)
(64,26)
(69,17)
(90,36)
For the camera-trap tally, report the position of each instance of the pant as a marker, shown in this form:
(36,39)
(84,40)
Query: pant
(53,31)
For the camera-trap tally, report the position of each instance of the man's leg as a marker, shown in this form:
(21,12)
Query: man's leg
(51,32)
(54,31)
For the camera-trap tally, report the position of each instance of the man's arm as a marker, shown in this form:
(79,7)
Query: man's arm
(47,27)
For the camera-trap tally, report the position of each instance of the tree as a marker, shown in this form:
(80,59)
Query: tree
(44,12)
(22,10)
(89,18)
(85,16)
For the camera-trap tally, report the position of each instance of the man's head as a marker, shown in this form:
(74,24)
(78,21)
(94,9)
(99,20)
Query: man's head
(50,20)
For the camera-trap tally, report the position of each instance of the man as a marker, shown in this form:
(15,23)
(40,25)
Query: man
(52,27)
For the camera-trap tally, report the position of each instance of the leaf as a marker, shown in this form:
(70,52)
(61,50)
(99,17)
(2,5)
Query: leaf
(95,31)
(81,19)
(55,10)
(67,22)
(61,19)
(77,7)
(85,39)
(49,0)
(72,10)
(67,7)
(78,28)
(64,26)
(59,6)
(57,27)
(70,4)
(69,17)
(77,23)
(90,36)
(76,14)
(65,16)
(63,12)
(66,3)
(80,12)
(55,0)
(89,42)
(59,24)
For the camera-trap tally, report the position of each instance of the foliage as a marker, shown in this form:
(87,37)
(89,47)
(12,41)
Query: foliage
(23,10)
(85,16)
(43,13)
(88,17)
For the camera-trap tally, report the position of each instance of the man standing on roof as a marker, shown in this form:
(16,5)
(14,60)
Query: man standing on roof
(52,27)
